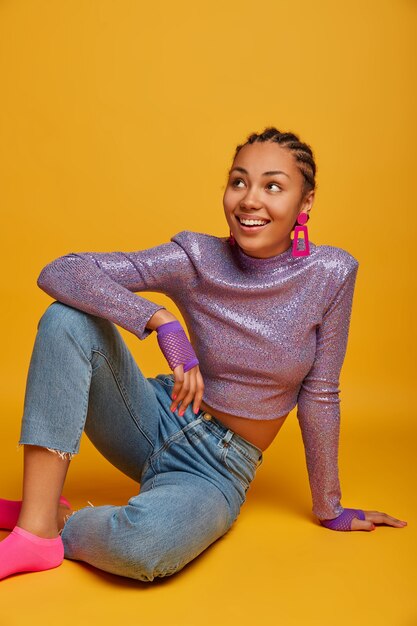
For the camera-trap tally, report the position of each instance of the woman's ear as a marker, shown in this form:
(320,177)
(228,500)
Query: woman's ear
(308,201)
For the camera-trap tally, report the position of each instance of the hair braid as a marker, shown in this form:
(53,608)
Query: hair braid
(302,152)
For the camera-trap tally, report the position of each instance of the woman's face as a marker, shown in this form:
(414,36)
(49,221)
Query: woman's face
(264,184)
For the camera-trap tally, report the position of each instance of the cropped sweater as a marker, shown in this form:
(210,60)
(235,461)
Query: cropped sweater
(269,333)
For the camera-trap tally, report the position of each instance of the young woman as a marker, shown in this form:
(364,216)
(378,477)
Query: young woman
(268,319)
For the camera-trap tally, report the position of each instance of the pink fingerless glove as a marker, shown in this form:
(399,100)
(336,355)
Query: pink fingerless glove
(342,522)
(175,346)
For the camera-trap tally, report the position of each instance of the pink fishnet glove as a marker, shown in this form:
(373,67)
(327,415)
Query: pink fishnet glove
(175,346)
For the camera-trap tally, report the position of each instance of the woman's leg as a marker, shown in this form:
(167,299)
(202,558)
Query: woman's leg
(82,376)
(193,485)
(175,517)
(43,479)
(80,370)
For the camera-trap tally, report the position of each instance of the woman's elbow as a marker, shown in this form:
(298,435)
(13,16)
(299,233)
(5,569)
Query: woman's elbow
(53,271)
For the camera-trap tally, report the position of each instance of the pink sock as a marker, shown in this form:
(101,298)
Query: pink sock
(23,551)
(10,511)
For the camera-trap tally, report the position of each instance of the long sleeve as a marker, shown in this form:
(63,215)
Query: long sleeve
(101,283)
(318,410)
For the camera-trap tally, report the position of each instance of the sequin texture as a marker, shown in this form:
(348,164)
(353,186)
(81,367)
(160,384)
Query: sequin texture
(269,334)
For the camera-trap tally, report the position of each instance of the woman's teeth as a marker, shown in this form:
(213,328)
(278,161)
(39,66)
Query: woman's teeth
(246,222)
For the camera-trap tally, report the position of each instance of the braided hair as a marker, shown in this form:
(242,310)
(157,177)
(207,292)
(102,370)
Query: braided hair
(302,152)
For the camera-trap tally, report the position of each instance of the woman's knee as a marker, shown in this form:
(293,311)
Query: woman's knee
(139,563)
(145,565)
(156,553)
(58,313)
(139,552)
(60,317)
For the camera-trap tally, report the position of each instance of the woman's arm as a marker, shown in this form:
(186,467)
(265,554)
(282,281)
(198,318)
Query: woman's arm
(318,409)
(101,283)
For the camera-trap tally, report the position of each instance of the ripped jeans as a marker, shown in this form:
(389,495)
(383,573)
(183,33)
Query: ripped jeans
(193,470)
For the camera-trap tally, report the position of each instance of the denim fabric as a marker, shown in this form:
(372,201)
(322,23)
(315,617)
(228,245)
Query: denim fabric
(194,472)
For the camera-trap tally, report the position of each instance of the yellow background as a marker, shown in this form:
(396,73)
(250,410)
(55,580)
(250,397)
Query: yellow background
(118,124)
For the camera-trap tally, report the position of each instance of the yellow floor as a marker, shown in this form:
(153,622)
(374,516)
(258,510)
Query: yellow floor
(275,566)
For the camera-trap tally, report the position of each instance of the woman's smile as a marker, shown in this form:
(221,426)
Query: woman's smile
(250,228)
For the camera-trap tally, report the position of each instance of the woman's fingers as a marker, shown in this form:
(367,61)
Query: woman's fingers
(383,518)
(376,517)
(199,390)
(184,388)
(179,379)
(188,389)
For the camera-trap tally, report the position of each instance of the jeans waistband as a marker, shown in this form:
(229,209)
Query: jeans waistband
(228,435)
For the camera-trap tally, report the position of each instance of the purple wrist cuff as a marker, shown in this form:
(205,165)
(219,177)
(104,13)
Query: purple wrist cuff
(175,346)
(342,522)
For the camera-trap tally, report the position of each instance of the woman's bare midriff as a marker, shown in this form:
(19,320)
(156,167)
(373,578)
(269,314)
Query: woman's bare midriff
(259,432)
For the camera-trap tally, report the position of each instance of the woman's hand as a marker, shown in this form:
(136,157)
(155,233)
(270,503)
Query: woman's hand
(358,519)
(188,386)
(375,517)
(176,346)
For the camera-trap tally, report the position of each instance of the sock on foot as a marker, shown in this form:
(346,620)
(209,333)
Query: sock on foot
(23,551)
(10,511)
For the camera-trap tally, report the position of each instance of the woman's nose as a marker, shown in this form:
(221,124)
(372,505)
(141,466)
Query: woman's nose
(251,200)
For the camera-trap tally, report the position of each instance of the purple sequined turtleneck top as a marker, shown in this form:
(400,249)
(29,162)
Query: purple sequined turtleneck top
(269,334)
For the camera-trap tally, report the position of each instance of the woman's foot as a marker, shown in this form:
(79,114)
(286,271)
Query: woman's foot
(9,513)
(23,551)
(31,549)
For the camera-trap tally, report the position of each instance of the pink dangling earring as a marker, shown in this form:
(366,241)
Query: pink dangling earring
(302,218)
(231,239)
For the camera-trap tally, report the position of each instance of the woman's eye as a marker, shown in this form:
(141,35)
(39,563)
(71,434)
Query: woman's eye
(238,182)
(274,185)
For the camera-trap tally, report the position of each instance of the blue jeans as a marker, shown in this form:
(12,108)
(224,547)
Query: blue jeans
(193,471)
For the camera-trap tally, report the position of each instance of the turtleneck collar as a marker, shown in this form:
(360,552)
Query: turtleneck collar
(269,263)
